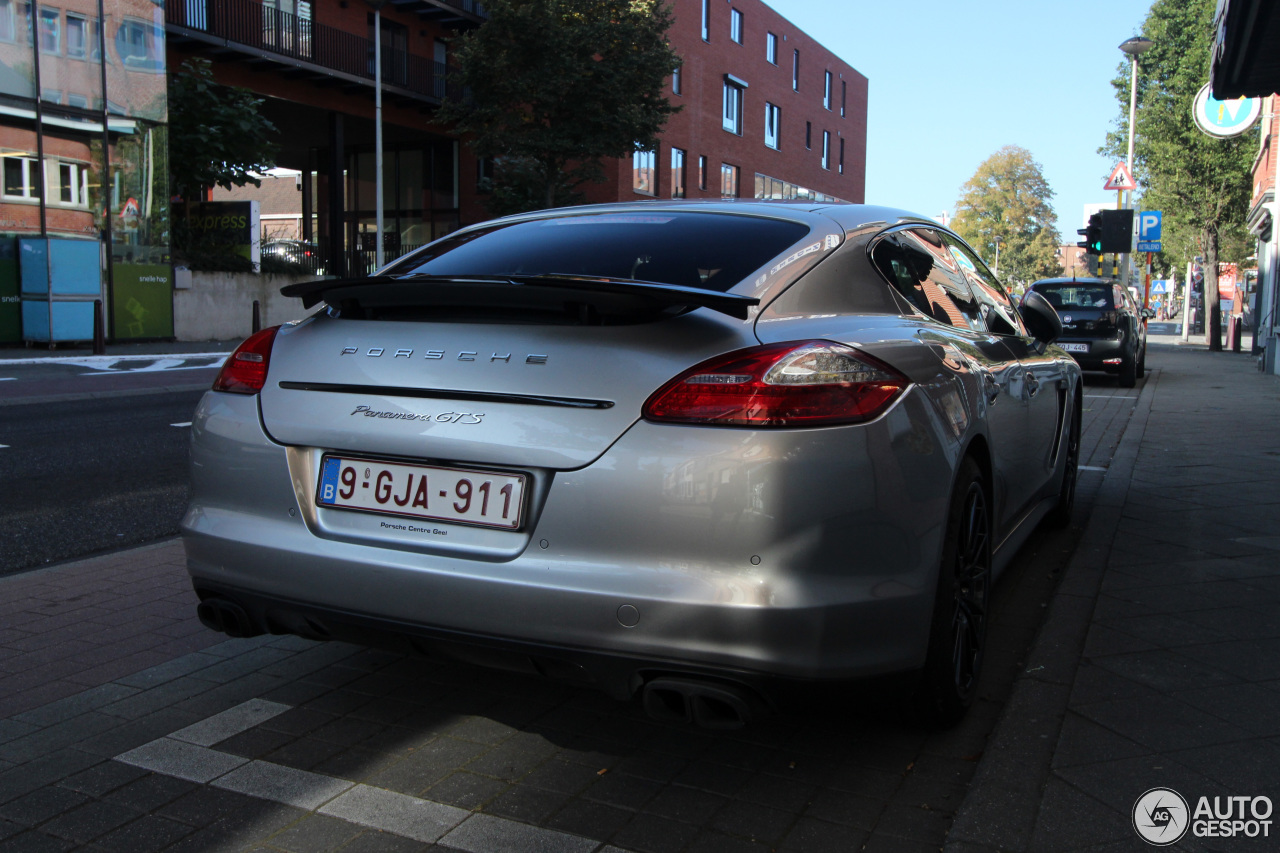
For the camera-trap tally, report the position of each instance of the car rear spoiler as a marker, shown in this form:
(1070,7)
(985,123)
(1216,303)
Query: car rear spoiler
(547,292)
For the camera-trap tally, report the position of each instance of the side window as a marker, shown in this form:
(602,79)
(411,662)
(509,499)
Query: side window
(922,269)
(998,311)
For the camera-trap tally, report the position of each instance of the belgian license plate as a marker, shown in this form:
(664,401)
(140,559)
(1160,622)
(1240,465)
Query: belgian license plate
(484,498)
(1075,347)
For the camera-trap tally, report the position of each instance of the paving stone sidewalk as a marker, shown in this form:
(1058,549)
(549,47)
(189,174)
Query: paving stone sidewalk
(1159,664)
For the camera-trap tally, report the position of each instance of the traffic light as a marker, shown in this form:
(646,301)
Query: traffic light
(1092,242)
(1117,230)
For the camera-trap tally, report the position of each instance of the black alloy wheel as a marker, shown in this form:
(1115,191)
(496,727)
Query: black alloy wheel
(957,639)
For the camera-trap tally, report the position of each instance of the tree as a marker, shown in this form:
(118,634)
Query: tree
(1008,199)
(1202,184)
(552,86)
(216,135)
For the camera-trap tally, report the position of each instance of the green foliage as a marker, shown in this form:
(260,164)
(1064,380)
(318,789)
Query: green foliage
(216,135)
(1202,184)
(1008,198)
(552,86)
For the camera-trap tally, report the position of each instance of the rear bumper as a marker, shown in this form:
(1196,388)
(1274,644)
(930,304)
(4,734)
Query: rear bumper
(1100,351)
(820,567)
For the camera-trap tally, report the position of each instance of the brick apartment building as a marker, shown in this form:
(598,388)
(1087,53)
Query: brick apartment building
(768,112)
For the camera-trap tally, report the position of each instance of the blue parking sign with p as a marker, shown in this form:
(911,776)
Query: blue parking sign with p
(1148,231)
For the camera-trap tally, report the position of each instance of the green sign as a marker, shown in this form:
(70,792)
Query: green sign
(142,306)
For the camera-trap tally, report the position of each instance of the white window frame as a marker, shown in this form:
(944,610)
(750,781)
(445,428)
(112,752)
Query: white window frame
(772,125)
(826,91)
(54,28)
(771,48)
(78,184)
(842,155)
(644,172)
(706,20)
(730,181)
(731,114)
(844,93)
(795,70)
(826,149)
(735,25)
(30,167)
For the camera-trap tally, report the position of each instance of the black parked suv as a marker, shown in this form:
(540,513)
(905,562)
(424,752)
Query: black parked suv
(1102,327)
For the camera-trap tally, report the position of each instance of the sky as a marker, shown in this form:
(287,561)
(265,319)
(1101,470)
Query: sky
(952,82)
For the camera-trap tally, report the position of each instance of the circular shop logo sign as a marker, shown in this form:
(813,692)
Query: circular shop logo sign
(1224,118)
(1160,816)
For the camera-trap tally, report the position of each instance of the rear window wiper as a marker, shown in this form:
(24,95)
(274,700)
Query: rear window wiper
(488,290)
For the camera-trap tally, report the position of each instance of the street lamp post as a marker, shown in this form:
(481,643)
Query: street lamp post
(1134,47)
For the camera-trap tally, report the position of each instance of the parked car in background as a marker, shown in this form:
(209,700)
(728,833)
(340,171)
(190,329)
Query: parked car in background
(1102,326)
(700,452)
(301,252)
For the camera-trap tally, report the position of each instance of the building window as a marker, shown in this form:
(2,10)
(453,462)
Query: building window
(50,31)
(775,188)
(732,115)
(73,185)
(644,165)
(771,48)
(826,91)
(77,33)
(808,135)
(21,175)
(74,100)
(826,149)
(772,122)
(8,30)
(735,25)
(677,82)
(843,92)
(706,20)
(702,172)
(140,45)
(677,173)
(728,181)
(842,155)
(795,71)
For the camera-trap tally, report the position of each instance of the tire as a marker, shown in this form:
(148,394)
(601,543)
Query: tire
(1129,372)
(1060,515)
(958,631)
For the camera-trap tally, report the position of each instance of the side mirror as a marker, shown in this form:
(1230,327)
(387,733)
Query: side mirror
(1042,321)
(1148,313)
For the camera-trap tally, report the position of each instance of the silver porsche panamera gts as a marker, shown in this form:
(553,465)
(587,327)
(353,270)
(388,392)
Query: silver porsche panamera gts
(696,452)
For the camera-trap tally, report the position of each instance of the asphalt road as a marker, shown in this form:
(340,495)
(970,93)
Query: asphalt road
(86,470)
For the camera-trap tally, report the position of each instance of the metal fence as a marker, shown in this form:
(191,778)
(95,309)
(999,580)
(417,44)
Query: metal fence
(268,29)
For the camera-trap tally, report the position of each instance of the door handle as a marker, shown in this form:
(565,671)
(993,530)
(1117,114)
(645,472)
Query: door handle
(991,388)
(1033,384)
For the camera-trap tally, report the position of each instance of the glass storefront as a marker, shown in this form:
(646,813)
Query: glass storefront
(84,169)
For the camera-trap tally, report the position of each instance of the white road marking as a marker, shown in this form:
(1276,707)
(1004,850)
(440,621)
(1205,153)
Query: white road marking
(2,446)
(1111,396)
(183,424)
(182,755)
(8,379)
(1092,468)
(95,361)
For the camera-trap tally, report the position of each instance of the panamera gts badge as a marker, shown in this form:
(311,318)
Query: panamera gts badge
(439,354)
(440,418)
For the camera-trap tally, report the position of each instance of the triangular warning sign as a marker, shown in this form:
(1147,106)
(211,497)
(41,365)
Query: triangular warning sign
(1121,179)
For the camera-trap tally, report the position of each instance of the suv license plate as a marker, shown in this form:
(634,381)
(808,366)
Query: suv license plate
(484,498)
(1075,347)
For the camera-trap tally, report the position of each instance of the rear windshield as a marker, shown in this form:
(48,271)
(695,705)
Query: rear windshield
(1073,295)
(708,250)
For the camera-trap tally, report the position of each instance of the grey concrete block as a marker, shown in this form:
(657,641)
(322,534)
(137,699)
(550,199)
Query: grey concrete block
(230,722)
(299,788)
(421,820)
(183,760)
(485,834)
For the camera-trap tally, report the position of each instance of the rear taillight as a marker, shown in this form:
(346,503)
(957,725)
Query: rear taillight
(805,383)
(245,371)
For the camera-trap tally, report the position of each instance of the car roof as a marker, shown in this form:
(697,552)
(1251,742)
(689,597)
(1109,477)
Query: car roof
(1103,281)
(850,217)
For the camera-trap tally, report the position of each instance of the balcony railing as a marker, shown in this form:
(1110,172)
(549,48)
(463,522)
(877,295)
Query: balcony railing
(268,30)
